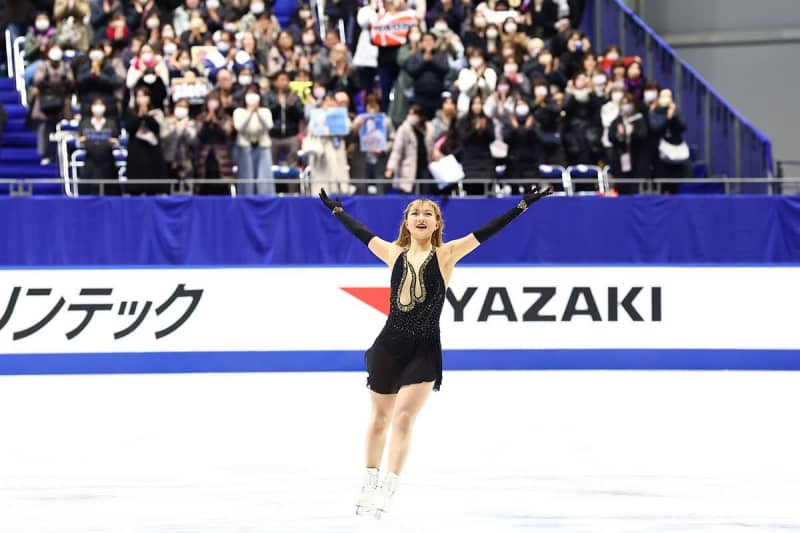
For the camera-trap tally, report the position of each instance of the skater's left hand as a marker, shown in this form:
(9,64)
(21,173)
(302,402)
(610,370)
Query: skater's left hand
(330,204)
(536,194)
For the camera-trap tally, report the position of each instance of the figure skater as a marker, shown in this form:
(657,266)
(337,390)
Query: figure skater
(405,362)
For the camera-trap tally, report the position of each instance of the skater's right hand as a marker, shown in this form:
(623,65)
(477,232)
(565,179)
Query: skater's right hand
(330,204)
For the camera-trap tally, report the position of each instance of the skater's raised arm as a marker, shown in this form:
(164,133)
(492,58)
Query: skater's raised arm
(385,251)
(458,248)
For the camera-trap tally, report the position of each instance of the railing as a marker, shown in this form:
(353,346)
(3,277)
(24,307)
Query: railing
(728,185)
(9,54)
(726,141)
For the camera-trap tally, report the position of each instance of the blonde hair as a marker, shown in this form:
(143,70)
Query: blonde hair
(404,236)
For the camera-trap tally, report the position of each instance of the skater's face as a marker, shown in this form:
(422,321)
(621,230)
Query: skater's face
(422,219)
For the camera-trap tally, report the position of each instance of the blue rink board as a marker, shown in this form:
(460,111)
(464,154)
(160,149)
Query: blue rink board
(327,361)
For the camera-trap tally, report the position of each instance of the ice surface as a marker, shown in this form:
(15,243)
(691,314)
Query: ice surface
(493,451)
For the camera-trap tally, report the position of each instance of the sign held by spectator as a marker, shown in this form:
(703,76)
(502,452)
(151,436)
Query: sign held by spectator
(329,122)
(372,134)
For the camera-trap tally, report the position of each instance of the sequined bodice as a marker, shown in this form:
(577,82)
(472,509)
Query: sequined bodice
(417,297)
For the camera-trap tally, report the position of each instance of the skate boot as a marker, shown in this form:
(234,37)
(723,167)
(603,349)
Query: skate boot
(366,499)
(385,494)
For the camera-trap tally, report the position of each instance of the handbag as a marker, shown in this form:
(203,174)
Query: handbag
(51,103)
(498,149)
(446,171)
(673,153)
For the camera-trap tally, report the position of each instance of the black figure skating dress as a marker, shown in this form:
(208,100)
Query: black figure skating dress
(408,349)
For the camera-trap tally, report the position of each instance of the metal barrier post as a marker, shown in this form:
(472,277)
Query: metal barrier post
(707,130)
(737,149)
(9,55)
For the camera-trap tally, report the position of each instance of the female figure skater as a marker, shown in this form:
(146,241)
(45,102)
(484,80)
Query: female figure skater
(405,362)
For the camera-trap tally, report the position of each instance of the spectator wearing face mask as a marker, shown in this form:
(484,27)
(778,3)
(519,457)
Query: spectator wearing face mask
(540,18)
(628,133)
(545,70)
(519,83)
(522,137)
(248,20)
(72,33)
(37,42)
(549,121)
(179,142)
(285,55)
(253,145)
(54,84)
(152,27)
(101,13)
(477,80)
(374,161)
(257,50)
(449,44)
(500,105)
(650,94)
(145,157)
(339,75)
(98,135)
(583,133)
(224,89)
(300,21)
(117,33)
(428,69)
(97,79)
(411,151)
(149,69)
(494,44)
(328,156)
(476,132)
(668,125)
(513,36)
(451,11)
(214,161)
(214,15)
(197,33)
(475,36)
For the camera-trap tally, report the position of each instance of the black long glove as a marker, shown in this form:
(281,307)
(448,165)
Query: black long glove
(503,220)
(354,226)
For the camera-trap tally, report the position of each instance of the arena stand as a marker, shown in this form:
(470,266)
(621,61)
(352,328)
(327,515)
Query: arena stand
(722,144)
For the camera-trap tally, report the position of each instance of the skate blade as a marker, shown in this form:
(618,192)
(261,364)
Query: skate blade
(363,511)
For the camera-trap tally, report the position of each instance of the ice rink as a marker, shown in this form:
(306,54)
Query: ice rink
(493,451)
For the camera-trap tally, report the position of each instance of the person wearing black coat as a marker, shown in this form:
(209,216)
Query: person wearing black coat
(582,138)
(476,132)
(540,19)
(287,113)
(628,135)
(666,122)
(145,155)
(550,124)
(97,78)
(521,134)
(98,135)
(428,69)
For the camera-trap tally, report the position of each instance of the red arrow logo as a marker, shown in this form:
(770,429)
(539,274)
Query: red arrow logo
(375,297)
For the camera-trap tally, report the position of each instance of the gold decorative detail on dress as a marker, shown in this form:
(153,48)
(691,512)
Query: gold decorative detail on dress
(522,205)
(408,267)
(337,209)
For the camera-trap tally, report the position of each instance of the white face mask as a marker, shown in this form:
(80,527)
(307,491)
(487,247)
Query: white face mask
(55,55)
(480,23)
(664,101)
(223,46)
(510,68)
(308,39)
(650,96)
(582,95)
(212,4)
(599,81)
(475,62)
(522,111)
(213,105)
(503,89)
(252,99)
(626,109)
(413,120)
(167,36)
(147,57)
(230,26)
(170,48)
(257,8)
(181,113)
(491,34)
(98,110)
(149,78)
(540,91)
(42,25)
(153,24)
(244,80)
(96,55)
(319,93)
(414,37)
(440,27)
(196,24)
(510,28)
(616,97)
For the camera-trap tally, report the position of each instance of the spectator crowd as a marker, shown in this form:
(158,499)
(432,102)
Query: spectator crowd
(219,90)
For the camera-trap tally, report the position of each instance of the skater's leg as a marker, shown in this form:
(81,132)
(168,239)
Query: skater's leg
(382,405)
(410,400)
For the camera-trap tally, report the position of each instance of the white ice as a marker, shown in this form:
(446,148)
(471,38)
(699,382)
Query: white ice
(493,451)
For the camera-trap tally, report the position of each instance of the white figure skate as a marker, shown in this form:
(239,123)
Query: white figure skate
(385,494)
(366,500)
